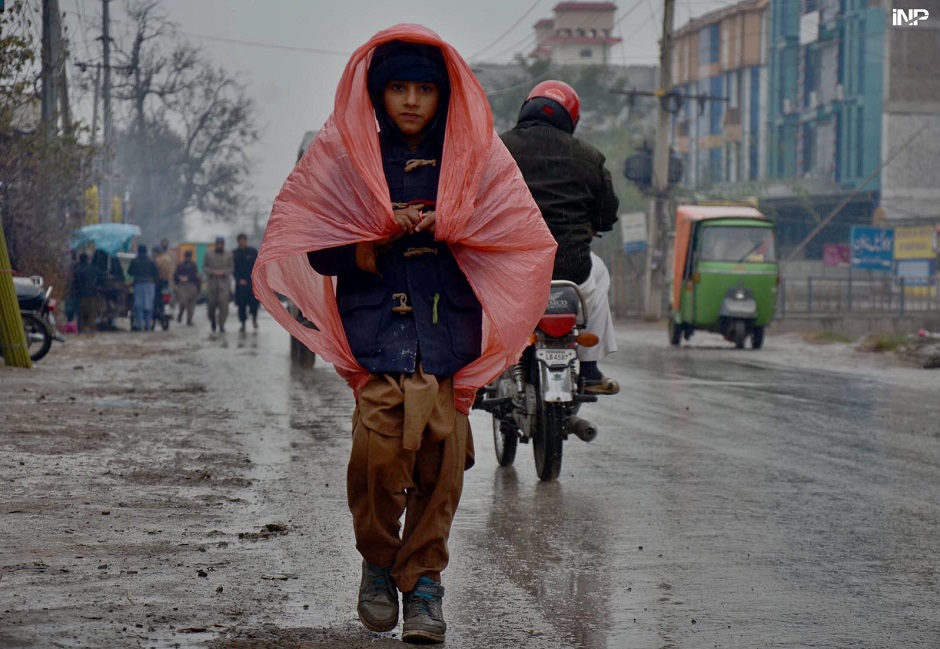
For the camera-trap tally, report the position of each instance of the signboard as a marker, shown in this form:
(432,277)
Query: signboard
(914,242)
(916,272)
(633,232)
(872,248)
(837,255)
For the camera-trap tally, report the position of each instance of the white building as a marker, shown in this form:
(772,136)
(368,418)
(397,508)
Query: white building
(581,33)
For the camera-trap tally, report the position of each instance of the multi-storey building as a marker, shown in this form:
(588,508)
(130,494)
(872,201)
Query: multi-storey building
(830,106)
(910,121)
(581,33)
(826,92)
(722,55)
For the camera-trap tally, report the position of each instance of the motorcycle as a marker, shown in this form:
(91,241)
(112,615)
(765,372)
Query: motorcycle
(162,313)
(538,398)
(38,310)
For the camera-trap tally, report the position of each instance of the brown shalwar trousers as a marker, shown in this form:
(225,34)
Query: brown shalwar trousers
(410,449)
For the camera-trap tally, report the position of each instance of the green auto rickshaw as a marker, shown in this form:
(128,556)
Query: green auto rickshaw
(725,274)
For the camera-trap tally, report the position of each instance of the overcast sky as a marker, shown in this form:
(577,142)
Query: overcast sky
(290,53)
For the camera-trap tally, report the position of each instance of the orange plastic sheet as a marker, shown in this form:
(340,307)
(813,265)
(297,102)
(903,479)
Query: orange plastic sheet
(337,194)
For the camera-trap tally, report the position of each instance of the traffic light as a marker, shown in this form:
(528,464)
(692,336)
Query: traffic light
(638,168)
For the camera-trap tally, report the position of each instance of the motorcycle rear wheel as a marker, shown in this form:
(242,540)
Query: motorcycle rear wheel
(34,325)
(548,440)
(505,441)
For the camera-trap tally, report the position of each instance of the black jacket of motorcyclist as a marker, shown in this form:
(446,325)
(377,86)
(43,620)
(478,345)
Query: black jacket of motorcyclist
(567,179)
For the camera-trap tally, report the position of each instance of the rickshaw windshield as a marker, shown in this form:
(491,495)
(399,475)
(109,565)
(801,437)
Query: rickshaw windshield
(737,244)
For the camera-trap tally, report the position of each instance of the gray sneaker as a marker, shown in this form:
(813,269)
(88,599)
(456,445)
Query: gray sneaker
(378,599)
(424,613)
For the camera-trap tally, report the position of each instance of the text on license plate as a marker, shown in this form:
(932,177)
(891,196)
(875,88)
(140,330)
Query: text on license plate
(555,356)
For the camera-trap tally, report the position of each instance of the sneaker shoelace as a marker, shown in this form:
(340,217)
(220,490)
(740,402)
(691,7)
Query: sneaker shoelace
(380,582)
(423,603)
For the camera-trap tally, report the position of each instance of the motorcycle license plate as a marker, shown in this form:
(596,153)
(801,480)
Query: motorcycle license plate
(552,357)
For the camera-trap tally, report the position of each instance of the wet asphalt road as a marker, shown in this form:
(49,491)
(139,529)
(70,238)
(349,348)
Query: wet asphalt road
(788,497)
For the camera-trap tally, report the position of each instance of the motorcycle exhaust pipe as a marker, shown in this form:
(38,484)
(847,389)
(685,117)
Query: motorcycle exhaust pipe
(584,429)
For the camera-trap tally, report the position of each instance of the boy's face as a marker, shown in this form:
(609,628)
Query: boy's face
(411,105)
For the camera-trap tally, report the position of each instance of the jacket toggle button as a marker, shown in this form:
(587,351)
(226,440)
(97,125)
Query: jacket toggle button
(403,306)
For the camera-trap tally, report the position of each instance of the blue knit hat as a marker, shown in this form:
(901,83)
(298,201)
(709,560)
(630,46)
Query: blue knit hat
(404,61)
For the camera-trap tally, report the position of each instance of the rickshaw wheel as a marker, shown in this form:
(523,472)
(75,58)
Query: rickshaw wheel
(675,333)
(739,333)
(757,338)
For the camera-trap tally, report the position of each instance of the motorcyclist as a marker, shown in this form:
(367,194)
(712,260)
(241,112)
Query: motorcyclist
(568,181)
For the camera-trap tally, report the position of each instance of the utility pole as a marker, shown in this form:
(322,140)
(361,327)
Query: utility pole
(105,189)
(49,74)
(60,54)
(655,255)
(94,110)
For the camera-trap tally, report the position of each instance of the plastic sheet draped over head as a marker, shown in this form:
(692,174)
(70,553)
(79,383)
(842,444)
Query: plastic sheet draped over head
(337,194)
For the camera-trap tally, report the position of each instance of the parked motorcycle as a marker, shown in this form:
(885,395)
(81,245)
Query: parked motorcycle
(38,310)
(538,398)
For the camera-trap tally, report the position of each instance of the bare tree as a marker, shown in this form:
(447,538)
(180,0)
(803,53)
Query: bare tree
(187,127)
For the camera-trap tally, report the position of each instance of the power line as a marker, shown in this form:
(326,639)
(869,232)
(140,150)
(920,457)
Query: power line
(511,27)
(521,44)
(272,46)
(527,84)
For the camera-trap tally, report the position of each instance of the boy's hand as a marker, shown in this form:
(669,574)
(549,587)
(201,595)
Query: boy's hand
(427,223)
(408,217)
(365,257)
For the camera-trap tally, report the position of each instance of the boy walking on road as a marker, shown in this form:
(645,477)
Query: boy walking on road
(426,254)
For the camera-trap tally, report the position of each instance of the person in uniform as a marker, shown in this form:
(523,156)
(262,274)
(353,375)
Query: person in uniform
(218,266)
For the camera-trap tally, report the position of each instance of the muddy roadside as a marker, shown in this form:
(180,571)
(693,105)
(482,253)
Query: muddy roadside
(130,513)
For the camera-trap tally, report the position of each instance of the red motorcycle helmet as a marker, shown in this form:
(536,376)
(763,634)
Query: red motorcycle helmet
(562,93)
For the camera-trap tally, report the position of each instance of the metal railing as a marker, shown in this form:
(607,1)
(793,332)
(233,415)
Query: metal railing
(847,295)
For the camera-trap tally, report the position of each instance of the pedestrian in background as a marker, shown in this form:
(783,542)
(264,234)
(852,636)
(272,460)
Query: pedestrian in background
(164,260)
(71,302)
(217,265)
(244,257)
(187,282)
(85,293)
(145,273)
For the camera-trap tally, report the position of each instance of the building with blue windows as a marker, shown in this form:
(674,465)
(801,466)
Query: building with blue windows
(722,55)
(825,100)
(831,108)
